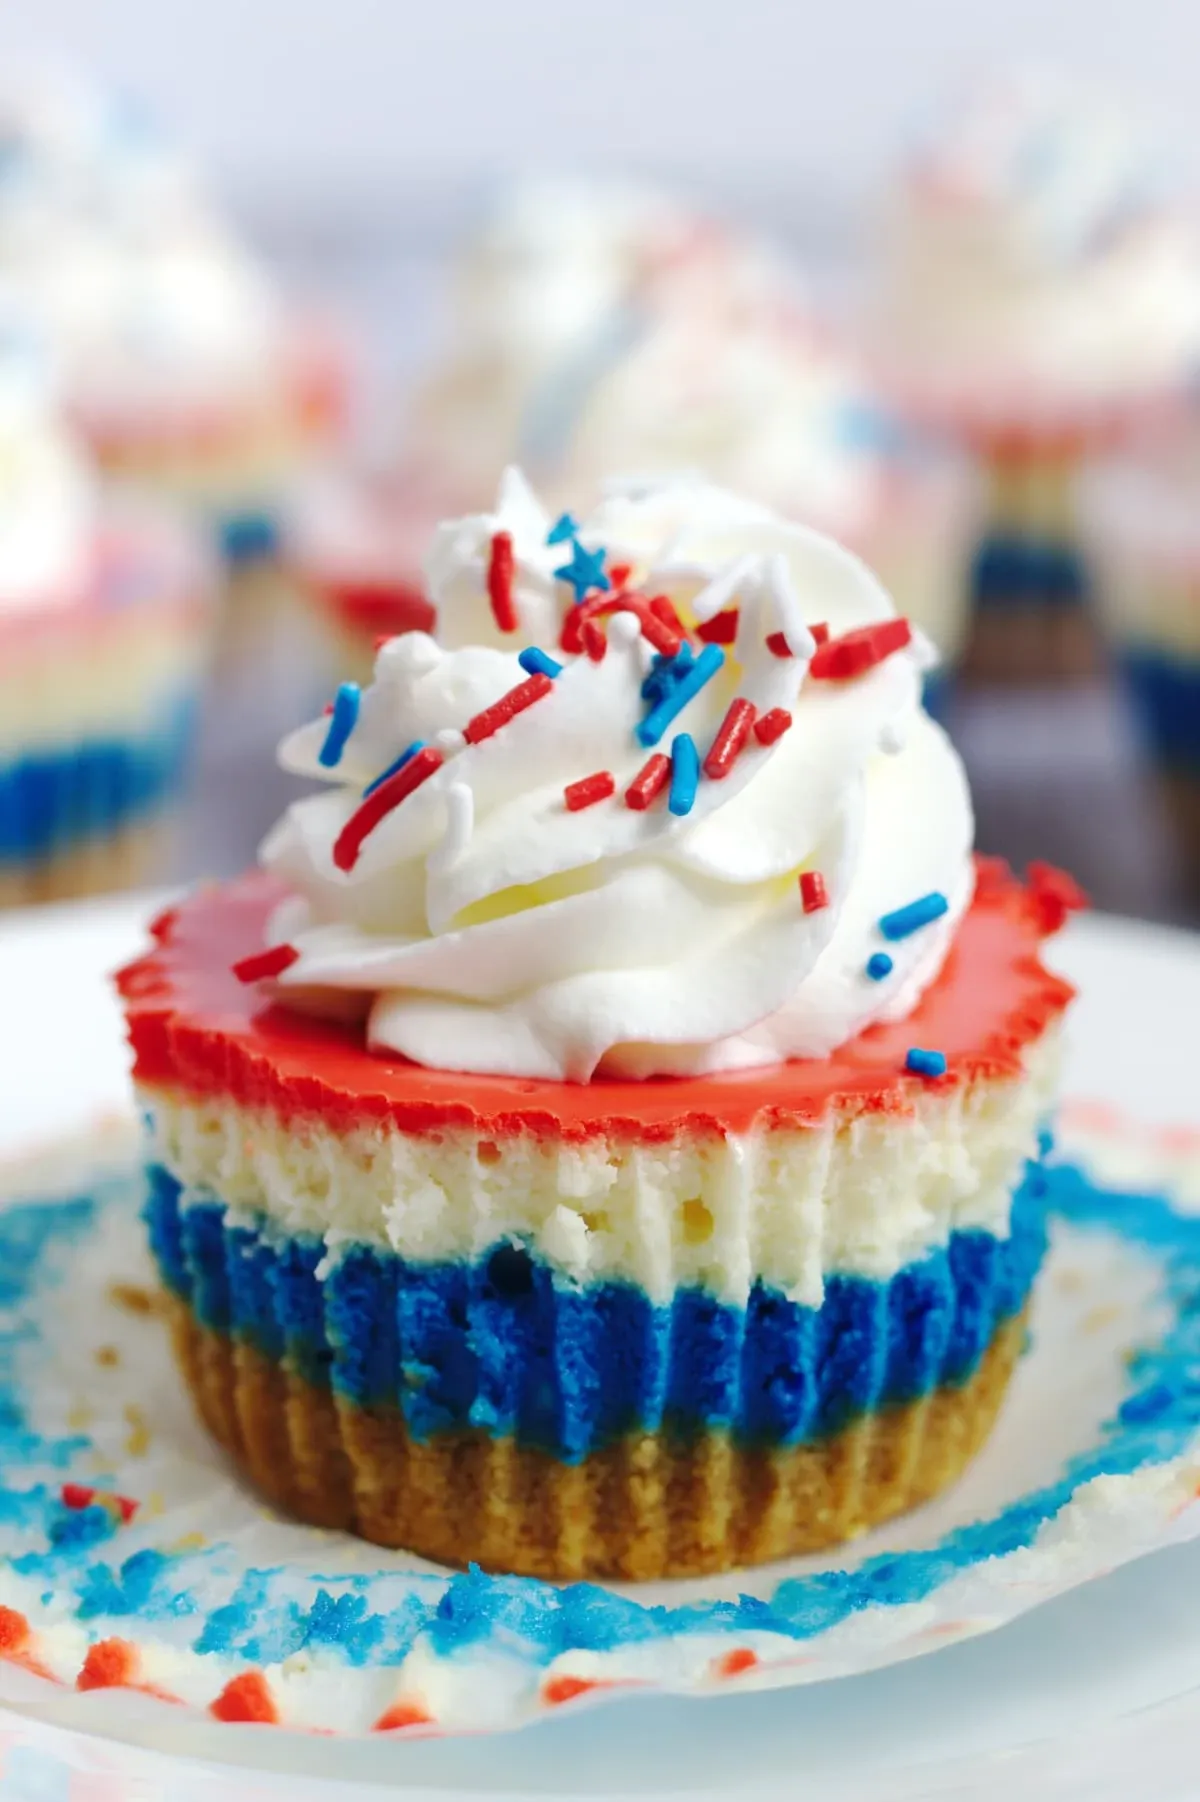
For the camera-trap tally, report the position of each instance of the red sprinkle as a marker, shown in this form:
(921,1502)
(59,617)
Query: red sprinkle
(110,1664)
(731,736)
(649,782)
(663,608)
(838,659)
(619,574)
(381,801)
(246,1698)
(666,635)
(661,624)
(500,582)
(499,713)
(813,893)
(594,641)
(772,725)
(777,644)
(258,966)
(722,628)
(79,1495)
(588,790)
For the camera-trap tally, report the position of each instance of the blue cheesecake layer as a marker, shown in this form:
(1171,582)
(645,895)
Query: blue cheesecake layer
(1165,692)
(1009,570)
(251,535)
(937,695)
(64,796)
(505,1345)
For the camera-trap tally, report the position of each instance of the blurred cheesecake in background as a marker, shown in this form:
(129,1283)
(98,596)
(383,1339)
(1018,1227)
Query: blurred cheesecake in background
(182,367)
(104,631)
(1140,521)
(593,328)
(1037,299)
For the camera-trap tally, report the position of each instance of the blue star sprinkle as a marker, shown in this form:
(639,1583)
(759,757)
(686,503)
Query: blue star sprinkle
(585,571)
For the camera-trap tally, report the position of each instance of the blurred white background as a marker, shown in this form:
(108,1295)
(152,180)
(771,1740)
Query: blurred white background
(316,105)
(356,138)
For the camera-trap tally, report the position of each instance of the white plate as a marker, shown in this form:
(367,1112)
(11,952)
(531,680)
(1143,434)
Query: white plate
(1075,1671)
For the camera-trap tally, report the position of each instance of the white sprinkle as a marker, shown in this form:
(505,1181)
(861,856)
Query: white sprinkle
(892,738)
(624,628)
(722,590)
(789,619)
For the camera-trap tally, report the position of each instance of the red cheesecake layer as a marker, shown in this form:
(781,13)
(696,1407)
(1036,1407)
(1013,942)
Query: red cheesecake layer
(194,1026)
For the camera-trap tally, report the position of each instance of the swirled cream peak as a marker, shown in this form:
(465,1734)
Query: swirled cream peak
(548,863)
(48,504)
(1032,236)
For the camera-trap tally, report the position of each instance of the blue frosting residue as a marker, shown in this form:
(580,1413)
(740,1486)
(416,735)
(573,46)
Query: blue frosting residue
(263,1615)
(1009,570)
(1165,691)
(54,799)
(502,1344)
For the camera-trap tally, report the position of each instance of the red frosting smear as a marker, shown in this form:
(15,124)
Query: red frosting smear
(246,1698)
(402,1715)
(116,1664)
(16,1644)
(194,1027)
(732,1664)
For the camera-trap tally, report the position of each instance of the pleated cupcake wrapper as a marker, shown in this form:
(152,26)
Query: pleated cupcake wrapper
(86,804)
(174,1581)
(488,1411)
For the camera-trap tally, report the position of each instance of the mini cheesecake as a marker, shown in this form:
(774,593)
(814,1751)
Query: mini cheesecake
(616,1328)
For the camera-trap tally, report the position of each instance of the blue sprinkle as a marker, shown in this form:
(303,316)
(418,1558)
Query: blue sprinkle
(585,571)
(925,1063)
(685,773)
(536,663)
(341,725)
(563,529)
(688,686)
(906,920)
(664,672)
(879,965)
(399,764)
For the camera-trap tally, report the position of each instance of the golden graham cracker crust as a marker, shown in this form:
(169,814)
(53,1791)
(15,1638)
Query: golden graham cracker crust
(649,1506)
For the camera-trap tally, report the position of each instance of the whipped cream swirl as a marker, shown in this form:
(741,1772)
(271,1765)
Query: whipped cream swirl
(485,923)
